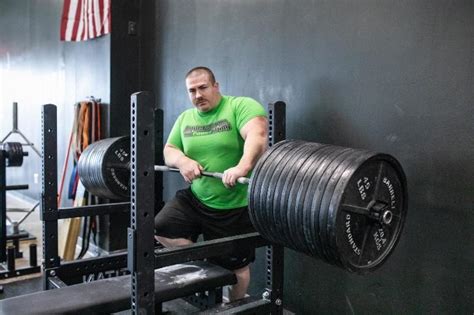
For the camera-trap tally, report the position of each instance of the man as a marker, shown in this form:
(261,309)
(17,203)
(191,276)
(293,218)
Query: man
(220,134)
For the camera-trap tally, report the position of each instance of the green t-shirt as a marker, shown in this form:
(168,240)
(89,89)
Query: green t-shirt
(213,140)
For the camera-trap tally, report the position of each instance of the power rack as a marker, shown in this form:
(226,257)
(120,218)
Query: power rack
(141,258)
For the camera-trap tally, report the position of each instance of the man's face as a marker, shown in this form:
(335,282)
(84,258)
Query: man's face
(202,92)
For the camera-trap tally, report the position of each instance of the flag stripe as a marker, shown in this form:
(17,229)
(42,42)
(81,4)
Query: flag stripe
(106,13)
(96,18)
(85,19)
(71,15)
(101,10)
(64,19)
(80,23)
(90,17)
(77,17)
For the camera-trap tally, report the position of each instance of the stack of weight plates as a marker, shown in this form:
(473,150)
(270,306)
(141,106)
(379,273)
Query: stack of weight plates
(344,206)
(104,168)
(14,152)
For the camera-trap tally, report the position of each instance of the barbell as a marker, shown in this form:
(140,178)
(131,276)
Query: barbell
(104,168)
(345,206)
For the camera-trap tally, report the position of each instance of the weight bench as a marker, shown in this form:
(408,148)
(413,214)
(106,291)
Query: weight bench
(113,294)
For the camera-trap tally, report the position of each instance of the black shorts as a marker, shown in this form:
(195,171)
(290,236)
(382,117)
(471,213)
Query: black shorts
(185,216)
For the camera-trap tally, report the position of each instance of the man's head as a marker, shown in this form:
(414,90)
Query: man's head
(203,90)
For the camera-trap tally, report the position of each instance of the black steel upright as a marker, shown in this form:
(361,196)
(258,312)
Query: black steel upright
(3,207)
(141,257)
(159,158)
(275,253)
(49,201)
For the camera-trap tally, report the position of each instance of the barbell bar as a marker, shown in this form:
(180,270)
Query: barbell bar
(344,206)
(164,168)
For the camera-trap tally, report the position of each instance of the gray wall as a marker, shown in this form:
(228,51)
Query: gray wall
(390,76)
(35,69)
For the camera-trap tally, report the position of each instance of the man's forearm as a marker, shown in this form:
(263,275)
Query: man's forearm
(255,145)
(172,156)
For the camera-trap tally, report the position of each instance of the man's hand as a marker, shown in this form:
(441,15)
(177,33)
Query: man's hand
(232,174)
(189,168)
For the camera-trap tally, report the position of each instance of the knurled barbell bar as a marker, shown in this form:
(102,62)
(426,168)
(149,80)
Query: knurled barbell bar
(345,206)
(164,168)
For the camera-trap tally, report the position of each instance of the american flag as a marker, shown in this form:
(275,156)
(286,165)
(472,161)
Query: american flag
(85,19)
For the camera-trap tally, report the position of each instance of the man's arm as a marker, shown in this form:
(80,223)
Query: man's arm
(188,168)
(255,135)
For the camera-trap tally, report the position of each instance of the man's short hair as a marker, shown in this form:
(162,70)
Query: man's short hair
(205,69)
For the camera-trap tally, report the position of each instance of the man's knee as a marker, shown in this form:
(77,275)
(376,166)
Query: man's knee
(243,273)
(160,221)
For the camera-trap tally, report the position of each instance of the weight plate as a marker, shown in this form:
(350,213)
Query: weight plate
(259,196)
(296,204)
(104,168)
(289,210)
(272,172)
(303,201)
(14,154)
(256,192)
(310,214)
(292,161)
(278,172)
(116,168)
(363,241)
(353,156)
(352,163)
(312,199)
(361,156)
(256,176)
(324,184)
